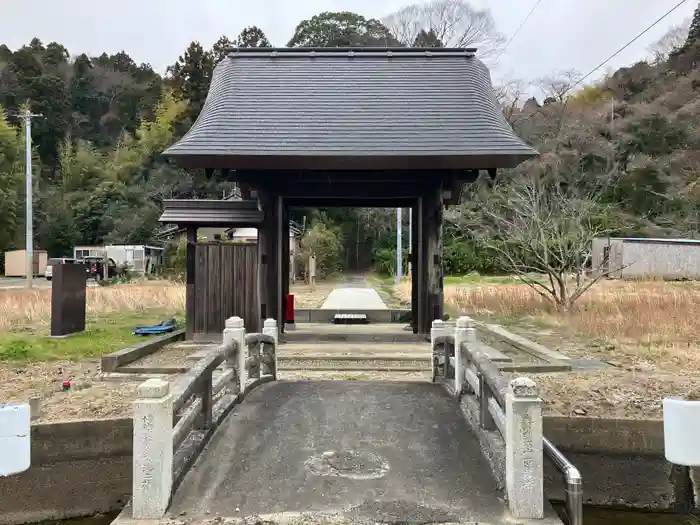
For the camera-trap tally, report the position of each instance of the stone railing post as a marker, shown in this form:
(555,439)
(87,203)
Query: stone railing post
(235,331)
(270,328)
(231,335)
(153,450)
(461,334)
(438,329)
(524,460)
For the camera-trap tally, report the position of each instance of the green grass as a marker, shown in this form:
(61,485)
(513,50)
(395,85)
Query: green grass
(102,336)
(475,278)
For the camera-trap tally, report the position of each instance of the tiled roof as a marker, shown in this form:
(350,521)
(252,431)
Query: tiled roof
(360,103)
(202,212)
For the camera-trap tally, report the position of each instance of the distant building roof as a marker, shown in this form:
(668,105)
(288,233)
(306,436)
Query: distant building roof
(364,108)
(659,240)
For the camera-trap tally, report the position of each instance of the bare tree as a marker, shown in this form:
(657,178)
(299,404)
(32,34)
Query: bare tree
(556,87)
(674,39)
(454,22)
(510,96)
(543,234)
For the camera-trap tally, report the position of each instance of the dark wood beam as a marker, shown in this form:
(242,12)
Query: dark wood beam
(351,190)
(349,203)
(190,287)
(376,176)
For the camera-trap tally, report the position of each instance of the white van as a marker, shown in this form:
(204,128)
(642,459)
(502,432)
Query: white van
(48,273)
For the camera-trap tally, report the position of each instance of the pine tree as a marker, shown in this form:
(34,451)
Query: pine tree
(694,33)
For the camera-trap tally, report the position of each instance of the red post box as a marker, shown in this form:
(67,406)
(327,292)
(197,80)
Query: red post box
(290,309)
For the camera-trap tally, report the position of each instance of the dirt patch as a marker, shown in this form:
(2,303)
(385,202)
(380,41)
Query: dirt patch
(89,396)
(648,331)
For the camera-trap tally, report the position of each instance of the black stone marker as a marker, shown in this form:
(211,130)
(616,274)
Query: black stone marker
(68,299)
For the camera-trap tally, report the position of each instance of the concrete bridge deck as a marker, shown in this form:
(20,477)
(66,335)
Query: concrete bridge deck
(375,452)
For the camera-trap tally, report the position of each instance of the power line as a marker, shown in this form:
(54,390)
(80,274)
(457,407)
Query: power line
(512,37)
(628,43)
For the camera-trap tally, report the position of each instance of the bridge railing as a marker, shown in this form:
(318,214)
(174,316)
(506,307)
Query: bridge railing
(172,424)
(513,408)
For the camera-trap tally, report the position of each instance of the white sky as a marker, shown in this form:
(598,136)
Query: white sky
(562,34)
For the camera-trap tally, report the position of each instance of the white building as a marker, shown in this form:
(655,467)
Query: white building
(140,258)
(647,258)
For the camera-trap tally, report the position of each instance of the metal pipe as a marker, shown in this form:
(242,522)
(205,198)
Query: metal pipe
(574,483)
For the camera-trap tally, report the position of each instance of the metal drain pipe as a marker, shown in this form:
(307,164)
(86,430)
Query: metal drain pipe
(574,483)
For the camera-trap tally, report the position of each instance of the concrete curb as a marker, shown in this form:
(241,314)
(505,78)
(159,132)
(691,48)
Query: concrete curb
(112,361)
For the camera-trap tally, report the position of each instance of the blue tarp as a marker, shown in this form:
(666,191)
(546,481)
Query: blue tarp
(156,329)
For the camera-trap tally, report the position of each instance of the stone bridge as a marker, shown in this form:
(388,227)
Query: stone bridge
(229,442)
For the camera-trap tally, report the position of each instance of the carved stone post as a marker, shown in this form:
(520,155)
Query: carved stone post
(153,450)
(270,328)
(438,329)
(233,347)
(461,334)
(235,331)
(524,460)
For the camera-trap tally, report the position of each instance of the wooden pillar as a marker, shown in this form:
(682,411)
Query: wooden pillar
(440,299)
(285,265)
(270,264)
(265,232)
(414,268)
(190,289)
(419,220)
(279,261)
(430,295)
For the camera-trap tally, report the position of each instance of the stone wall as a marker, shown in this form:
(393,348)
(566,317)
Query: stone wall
(621,461)
(78,469)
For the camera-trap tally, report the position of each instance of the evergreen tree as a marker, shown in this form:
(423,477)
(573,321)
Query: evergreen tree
(252,36)
(694,32)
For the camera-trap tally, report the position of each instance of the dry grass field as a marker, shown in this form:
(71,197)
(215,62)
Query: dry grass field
(32,364)
(649,331)
(25,309)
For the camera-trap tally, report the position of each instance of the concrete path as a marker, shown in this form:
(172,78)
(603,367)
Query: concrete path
(354,299)
(371,452)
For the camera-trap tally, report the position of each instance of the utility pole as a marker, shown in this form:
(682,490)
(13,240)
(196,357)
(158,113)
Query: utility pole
(612,113)
(27,116)
(399,255)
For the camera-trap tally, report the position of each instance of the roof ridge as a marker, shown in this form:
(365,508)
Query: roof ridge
(351,51)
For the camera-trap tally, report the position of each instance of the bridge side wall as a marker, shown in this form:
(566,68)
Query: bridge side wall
(78,469)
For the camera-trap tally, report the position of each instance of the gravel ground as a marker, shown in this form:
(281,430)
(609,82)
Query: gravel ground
(89,396)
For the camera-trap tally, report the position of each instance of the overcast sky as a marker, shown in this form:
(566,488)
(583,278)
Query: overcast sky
(561,34)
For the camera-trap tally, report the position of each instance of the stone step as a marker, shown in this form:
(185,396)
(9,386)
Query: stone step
(372,333)
(356,375)
(345,348)
(353,357)
(355,365)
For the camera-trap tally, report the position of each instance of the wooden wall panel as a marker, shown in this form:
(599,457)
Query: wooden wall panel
(225,286)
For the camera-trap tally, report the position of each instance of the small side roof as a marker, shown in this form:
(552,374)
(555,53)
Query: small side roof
(341,108)
(205,212)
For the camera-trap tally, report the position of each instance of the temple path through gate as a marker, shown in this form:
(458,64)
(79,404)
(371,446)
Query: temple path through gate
(297,450)
(381,451)
(356,294)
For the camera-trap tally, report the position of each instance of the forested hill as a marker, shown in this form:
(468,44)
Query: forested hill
(633,139)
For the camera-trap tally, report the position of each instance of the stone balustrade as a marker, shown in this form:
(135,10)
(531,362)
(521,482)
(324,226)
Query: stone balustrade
(511,408)
(172,423)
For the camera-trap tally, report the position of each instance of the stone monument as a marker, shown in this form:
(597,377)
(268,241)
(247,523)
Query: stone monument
(68,299)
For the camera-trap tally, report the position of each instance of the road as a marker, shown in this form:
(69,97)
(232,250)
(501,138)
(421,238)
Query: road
(377,451)
(38,282)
